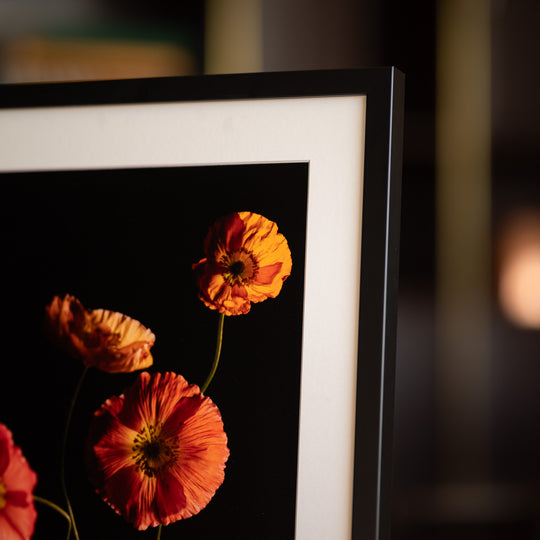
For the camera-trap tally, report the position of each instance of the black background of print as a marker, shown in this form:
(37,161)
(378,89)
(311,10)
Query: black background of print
(125,240)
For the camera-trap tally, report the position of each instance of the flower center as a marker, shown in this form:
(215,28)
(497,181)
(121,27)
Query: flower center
(236,268)
(152,451)
(239,267)
(3,492)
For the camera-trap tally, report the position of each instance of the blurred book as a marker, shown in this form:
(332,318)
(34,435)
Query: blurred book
(87,55)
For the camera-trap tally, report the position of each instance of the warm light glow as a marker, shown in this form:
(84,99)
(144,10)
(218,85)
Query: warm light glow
(519,279)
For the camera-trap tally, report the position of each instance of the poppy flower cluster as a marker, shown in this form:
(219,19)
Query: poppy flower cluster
(156,453)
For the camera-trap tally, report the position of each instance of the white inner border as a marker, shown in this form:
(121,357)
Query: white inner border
(327,132)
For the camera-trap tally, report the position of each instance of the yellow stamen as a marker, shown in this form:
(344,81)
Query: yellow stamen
(3,492)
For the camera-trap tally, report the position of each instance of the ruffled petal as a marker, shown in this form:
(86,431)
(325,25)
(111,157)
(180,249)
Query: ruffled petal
(65,321)
(269,275)
(204,452)
(131,494)
(227,232)
(18,476)
(17,522)
(5,443)
(17,513)
(170,500)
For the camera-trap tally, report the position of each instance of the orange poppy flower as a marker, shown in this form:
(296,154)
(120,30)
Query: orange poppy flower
(17,481)
(104,339)
(157,453)
(246,261)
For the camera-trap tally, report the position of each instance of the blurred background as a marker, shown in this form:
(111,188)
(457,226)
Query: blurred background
(467,438)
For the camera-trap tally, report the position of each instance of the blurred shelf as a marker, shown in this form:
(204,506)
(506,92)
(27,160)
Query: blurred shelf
(101,51)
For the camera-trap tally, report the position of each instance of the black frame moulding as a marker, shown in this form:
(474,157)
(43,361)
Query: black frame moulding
(382,93)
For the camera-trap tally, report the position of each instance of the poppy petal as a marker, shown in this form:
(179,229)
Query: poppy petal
(17,481)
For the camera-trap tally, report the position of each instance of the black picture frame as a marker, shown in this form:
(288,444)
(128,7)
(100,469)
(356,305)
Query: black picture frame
(162,123)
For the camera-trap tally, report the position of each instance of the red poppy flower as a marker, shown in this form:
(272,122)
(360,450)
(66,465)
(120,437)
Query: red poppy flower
(246,261)
(104,339)
(157,453)
(17,481)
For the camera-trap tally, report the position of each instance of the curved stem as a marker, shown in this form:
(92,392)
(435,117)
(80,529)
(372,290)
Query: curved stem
(159,532)
(63,454)
(216,354)
(55,507)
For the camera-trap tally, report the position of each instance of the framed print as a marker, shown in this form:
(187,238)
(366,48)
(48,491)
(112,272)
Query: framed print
(201,303)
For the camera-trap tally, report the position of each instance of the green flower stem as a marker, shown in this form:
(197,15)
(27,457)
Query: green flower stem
(158,532)
(216,354)
(63,454)
(55,507)
(50,504)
